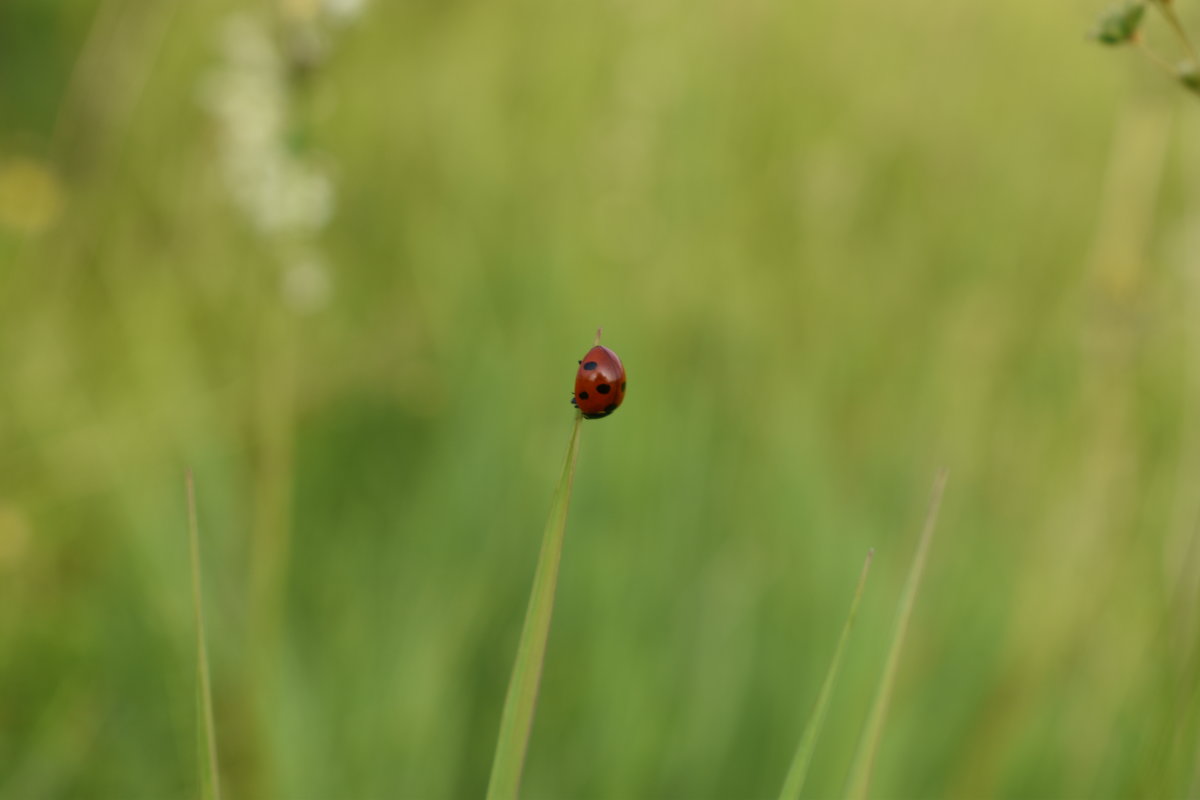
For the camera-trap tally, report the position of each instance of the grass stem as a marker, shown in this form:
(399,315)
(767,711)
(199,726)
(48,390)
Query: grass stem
(516,721)
(864,760)
(204,694)
(794,783)
(1156,59)
(1167,8)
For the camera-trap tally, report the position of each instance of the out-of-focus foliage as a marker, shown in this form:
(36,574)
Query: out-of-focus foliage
(1189,76)
(836,245)
(1120,23)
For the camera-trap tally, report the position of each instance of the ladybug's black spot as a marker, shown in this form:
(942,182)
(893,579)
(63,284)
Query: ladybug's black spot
(611,407)
(622,386)
(583,395)
(603,388)
(590,365)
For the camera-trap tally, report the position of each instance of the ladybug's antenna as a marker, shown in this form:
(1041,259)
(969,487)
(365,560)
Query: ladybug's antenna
(599,331)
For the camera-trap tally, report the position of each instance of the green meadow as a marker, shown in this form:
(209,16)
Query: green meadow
(340,263)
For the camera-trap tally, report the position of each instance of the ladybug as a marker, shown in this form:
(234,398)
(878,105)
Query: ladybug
(599,383)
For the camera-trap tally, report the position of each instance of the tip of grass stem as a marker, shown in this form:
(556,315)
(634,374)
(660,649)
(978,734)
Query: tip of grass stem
(516,720)
(864,759)
(210,777)
(794,782)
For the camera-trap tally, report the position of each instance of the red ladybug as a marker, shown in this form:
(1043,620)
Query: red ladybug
(599,384)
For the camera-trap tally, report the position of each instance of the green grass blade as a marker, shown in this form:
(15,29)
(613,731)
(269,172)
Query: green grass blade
(211,781)
(517,718)
(796,776)
(864,760)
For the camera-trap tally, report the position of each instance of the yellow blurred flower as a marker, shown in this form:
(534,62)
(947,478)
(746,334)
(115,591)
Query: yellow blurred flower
(30,195)
(299,10)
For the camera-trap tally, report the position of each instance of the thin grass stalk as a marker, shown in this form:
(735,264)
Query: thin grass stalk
(864,760)
(794,782)
(204,693)
(1194,791)
(516,720)
(1158,61)
(1167,8)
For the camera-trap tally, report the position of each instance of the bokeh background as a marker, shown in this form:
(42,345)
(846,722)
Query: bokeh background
(340,260)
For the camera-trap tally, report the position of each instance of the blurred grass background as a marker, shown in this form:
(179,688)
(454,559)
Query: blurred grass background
(837,246)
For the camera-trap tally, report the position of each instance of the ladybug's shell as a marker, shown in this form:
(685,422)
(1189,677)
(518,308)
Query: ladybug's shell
(600,383)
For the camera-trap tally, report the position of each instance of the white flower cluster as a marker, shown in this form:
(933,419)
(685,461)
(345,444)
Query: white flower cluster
(287,197)
(279,192)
